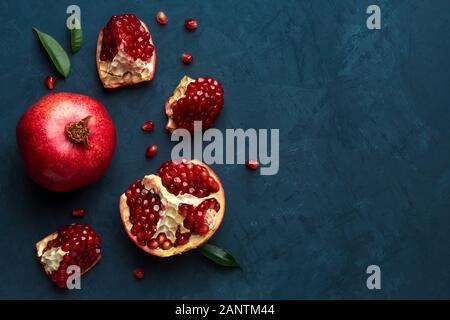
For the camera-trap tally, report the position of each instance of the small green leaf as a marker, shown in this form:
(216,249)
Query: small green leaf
(219,256)
(56,52)
(76,39)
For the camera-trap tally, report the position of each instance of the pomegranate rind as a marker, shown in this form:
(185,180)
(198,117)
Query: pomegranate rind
(195,240)
(42,244)
(111,81)
(177,94)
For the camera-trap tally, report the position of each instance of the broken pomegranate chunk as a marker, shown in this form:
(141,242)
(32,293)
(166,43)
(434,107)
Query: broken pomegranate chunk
(125,52)
(174,211)
(194,100)
(73,245)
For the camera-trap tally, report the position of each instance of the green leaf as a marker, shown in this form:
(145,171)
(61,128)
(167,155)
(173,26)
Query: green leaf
(76,39)
(219,256)
(56,52)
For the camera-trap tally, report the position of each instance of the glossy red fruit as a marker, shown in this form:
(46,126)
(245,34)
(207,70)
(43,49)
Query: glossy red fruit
(151,151)
(194,100)
(73,245)
(186,58)
(139,273)
(50,82)
(125,52)
(162,18)
(148,126)
(252,164)
(78,212)
(66,141)
(190,24)
(176,210)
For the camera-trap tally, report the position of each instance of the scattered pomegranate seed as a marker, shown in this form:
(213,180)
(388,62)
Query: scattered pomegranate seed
(151,151)
(50,82)
(139,273)
(252,164)
(161,18)
(191,24)
(186,58)
(78,212)
(148,126)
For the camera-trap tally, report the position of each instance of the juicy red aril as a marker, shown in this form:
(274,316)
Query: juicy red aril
(167,244)
(128,30)
(78,212)
(148,126)
(162,18)
(82,245)
(139,273)
(202,101)
(252,164)
(186,58)
(182,177)
(50,82)
(191,24)
(151,151)
(195,218)
(145,211)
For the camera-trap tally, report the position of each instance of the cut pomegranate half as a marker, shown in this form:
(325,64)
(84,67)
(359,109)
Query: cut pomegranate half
(174,211)
(194,100)
(125,52)
(76,244)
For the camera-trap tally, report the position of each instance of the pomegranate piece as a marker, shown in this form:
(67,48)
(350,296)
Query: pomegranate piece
(78,212)
(66,141)
(186,58)
(50,82)
(252,164)
(73,245)
(151,151)
(139,273)
(194,100)
(125,52)
(190,24)
(148,126)
(176,210)
(162,18)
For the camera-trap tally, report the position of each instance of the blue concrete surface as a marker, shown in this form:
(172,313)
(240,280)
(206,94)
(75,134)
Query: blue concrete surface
(364,148)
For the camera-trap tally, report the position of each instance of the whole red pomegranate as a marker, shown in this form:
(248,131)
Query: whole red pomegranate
(66,140)
(125,52)
(176,210)
(194,100)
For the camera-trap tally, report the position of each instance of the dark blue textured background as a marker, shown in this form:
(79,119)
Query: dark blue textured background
(365,148)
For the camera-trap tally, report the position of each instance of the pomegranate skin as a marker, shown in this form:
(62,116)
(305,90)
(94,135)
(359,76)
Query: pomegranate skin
(51,158)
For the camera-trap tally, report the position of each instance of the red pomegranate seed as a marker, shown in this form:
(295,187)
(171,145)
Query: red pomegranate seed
(148,126)
(252,164)
(186,58)
(50,82)
(162,18)
(167,244)
(202,229)
(151,151)
(153,244)
(78,212)
(139,273)
(161,238)
(191,24)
